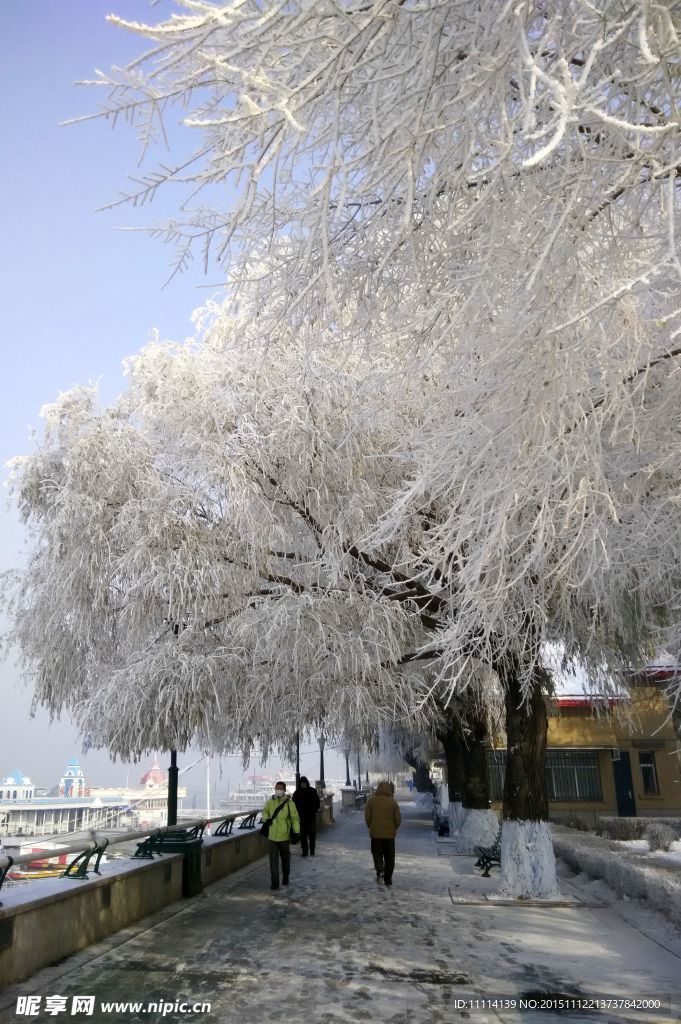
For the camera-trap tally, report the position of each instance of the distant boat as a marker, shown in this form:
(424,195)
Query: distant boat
(259,795)
(25,875)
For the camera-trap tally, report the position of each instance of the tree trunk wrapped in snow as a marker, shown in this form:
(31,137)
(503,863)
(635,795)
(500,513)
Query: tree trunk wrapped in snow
(456,816)
(480,827)
(450,735)
(528,864)
(471,822)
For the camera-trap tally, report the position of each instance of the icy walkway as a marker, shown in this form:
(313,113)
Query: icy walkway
(339,949)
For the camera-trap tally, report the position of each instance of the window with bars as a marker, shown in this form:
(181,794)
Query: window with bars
(646,761)
(496,766)
(571,775)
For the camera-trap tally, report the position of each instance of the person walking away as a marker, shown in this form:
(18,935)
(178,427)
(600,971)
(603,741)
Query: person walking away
(306,799)
(383,818)
(282,815)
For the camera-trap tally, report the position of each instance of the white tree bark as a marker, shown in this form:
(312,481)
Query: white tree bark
(456,815)
(478,828)
(528,864)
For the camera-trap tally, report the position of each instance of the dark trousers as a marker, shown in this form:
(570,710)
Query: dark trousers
(308,835)
(278,850)
(383,852)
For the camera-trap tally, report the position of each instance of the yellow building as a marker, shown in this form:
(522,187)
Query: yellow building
(609,758)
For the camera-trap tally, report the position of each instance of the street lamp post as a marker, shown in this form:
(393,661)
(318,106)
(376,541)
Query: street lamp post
(321,761)
(172,788)
(347,768)
(359,772)
(298,759)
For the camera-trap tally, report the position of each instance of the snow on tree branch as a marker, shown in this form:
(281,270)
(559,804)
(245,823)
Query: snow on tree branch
(478,205)
(335,122)
(193,575)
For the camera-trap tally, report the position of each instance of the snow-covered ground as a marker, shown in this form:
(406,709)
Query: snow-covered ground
(340,949)
(640,846)
(629,868)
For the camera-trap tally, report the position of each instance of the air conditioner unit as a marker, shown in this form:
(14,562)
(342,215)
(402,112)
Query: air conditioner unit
(615,754)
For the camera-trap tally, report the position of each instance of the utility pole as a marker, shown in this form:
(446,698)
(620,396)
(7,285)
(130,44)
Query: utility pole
(321,760)
(298,759)
(359,772)
(207,786)
(172,788)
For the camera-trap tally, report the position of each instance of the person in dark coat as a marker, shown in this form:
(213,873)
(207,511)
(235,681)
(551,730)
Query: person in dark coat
(306,800)
(383,818)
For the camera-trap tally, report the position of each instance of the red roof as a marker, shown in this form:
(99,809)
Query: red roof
(585,701)
(155,776)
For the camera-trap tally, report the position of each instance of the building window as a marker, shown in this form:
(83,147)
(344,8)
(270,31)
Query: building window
(571,775)
(496,766)
(646,760)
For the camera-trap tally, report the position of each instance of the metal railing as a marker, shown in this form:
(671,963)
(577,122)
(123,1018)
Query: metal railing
(97,844)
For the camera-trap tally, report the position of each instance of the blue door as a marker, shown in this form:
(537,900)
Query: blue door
(624,786)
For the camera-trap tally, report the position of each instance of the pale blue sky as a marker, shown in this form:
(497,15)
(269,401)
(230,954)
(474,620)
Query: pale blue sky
(77,295)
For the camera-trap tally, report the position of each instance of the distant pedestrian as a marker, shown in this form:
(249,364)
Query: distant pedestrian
(306,799)
(410,783)
(383,818)
(282,816)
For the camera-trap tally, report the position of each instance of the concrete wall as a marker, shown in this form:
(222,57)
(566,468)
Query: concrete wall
(44,921)
(221,857)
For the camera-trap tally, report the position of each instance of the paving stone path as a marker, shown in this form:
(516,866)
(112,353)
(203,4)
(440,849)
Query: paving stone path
(337,948)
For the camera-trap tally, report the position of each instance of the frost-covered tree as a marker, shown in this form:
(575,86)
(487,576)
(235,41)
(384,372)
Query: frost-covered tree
(490,187)
(194,574)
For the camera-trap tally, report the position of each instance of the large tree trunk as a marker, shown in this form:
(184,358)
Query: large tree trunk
(450,736)
(471,822)
(423,784)
(479,826)
(476,778)
(528,866)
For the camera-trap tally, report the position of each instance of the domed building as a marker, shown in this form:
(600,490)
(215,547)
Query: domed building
(16,786)
(154,777)
(149,798)
(72,782)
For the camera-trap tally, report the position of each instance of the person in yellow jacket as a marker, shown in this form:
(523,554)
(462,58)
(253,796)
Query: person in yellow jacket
(279,835)
(383,818)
